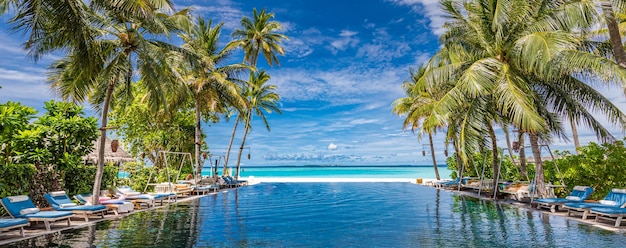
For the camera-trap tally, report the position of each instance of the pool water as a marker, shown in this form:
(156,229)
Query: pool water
(336,215)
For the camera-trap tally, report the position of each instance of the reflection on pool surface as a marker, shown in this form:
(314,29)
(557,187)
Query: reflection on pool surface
(336,215)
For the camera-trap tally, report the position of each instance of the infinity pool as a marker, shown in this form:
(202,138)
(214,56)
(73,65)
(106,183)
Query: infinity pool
(336,215)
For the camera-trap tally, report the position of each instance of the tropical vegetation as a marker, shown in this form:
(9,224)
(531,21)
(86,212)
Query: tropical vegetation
(120,56)
(526,65)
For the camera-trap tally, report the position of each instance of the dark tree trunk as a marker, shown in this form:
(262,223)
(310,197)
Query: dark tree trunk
(522,155)
(539,177)
(432,154)
(614,35)
(197,139)
(103,135)
(243,141)
(494,153)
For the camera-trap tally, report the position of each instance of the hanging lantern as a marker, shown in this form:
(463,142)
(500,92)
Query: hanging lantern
(204,155)
(114,145)
(424,153)
(515,146)
(445,152)
(248,156)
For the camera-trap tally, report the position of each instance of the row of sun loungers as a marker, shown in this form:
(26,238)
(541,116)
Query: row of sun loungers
(611,208)
(23,210)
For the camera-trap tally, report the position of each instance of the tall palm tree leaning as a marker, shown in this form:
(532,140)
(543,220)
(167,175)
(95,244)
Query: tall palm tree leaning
(413,106)
(614,35)
(261,98)
(121,45)
(258,35)
(509,51)
(212,84)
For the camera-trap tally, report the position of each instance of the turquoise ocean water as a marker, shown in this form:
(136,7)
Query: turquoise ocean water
(341,171)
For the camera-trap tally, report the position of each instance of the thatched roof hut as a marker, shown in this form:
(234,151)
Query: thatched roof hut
(117,157)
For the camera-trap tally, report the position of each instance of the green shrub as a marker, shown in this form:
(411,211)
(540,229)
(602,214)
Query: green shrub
(599,166)
(16,179)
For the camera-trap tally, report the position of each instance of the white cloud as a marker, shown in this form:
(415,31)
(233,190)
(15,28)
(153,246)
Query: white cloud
(429,8)
(347,39)
(332,146)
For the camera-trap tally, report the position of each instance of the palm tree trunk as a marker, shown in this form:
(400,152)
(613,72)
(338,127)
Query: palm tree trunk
(197,138)
(432,154)
(522,154)
(508,143)
(457,156)
(230,144)
(243,141)
(539,177)
(614,35)
(459,163)
(494,153)
(103,135)
(575,133)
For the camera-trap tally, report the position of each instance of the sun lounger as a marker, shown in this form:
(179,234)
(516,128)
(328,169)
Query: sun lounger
(115,205)
(615,198)
(22,207)
(609,213)
(128,193)
(579,194)
(451,184)
(10,224)
(205,185)
(59,201)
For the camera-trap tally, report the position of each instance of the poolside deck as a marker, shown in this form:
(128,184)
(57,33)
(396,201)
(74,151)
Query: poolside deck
(36,230)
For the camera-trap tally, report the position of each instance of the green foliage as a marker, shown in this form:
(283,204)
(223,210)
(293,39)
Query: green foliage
(147,132)
(52,146)
(68,134)
(508,171)
(16,179)
(14,118)
(79,179)
(599,166)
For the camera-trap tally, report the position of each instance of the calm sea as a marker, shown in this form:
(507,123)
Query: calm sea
(341,171)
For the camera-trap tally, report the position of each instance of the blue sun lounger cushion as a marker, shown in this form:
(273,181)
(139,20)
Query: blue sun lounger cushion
(61,202)
(22,207)
(615,213)
(579,194)
(9,224)
(615,198)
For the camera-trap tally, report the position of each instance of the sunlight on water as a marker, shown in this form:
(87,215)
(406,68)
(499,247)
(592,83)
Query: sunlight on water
(336,215)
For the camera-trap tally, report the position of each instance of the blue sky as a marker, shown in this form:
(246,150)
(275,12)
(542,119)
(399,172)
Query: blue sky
(344,65)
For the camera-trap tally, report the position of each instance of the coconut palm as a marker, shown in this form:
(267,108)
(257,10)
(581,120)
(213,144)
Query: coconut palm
(261,98)
(498,49)
(258,35)
(212,82)
(615,37)
(127,41)
(412,105)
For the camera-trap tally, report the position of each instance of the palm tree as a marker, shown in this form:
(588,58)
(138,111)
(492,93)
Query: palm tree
(412,105)
(261,98)
(259,35)
(127,40)
(614,31)
(212,83)
(497,50)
